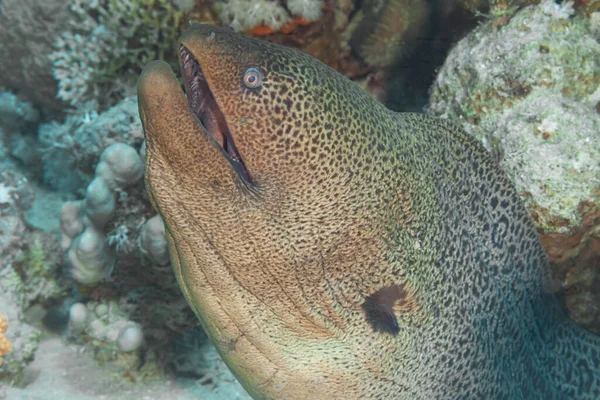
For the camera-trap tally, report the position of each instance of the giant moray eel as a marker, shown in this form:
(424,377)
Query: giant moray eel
(333,249)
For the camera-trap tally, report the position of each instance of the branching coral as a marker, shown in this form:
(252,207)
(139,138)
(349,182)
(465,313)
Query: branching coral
(109,43)
(77,64)
(120,240)
(5,344)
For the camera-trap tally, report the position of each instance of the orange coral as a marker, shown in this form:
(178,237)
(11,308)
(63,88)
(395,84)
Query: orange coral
(5,345)
(263,30)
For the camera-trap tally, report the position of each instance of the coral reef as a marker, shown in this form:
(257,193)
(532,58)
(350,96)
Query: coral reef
(130,338)
(37,264)
(13,292)
(529,92)
(83,221)
(15,198)
(69,150)
(496,8)
(5,344)
(116,38)
(106,327)
(588,6)
(31,254)
(16,115)
(81,50)
(23,336)
(549,66)
(100,321)
(152,241)
(130,306)
(117,253)
(29,275)
(18,120)
(265,16)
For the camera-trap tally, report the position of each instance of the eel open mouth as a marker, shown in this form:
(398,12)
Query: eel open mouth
(206,109)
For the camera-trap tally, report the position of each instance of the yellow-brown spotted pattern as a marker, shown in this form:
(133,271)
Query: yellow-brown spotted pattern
(376,255)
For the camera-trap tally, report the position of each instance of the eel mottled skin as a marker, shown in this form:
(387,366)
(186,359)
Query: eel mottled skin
(334,249)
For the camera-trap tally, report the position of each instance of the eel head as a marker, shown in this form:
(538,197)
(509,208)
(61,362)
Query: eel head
(250,170)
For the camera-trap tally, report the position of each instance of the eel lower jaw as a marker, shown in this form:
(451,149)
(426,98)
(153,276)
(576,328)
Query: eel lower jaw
(205,107)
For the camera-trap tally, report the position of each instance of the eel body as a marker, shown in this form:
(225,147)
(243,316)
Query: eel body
(334,249)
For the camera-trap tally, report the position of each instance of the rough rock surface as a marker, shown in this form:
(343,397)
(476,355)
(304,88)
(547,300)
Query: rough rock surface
(528,88)
(15,197)
(28,29)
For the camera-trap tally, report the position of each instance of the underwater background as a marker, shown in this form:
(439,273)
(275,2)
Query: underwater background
(89,305)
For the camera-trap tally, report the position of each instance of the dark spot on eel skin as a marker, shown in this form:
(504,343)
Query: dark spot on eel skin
(379,309)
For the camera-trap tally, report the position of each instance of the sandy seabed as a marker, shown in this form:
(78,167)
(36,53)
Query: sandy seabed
(64,372)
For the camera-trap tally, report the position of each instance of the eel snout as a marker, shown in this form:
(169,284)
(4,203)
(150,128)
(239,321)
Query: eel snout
(189,130)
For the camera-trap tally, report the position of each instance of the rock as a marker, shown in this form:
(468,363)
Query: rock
(528,87)
(28,29)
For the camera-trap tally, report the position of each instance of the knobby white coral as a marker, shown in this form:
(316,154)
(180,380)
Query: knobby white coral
(83,221)
(152,240)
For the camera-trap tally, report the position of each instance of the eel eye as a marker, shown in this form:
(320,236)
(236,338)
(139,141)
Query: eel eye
(252,78)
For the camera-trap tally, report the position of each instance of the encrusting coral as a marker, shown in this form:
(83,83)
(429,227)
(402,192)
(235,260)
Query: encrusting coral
(528,91)
(5,344)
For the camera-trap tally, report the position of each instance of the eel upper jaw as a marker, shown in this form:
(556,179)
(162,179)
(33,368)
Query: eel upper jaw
(205,107)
